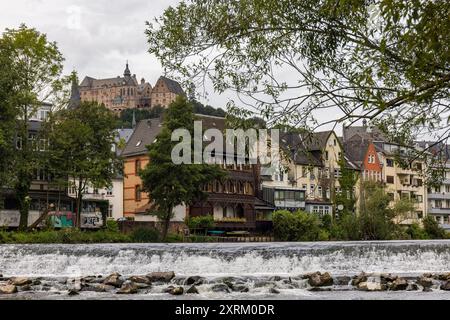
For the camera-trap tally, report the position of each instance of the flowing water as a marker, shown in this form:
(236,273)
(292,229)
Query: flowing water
(258,266)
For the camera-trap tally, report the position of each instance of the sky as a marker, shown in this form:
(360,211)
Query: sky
(97,37)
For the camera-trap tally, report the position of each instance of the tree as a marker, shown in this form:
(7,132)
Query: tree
(8,85)
(37,65)
(169,184)
(126,116)
(432,228)
(380,60)
(82,141)
(347,181)
(296,226)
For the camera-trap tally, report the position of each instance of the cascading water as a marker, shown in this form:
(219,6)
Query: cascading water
(410,257)
(259,267)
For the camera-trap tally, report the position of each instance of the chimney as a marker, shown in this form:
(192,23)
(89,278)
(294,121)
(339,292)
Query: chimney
(364,123)
(142,81)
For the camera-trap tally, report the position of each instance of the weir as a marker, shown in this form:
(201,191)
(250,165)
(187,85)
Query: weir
(226,259)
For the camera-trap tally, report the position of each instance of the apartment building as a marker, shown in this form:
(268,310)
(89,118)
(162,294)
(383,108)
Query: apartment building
(400,181)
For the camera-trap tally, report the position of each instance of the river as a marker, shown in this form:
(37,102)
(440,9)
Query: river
(258,266)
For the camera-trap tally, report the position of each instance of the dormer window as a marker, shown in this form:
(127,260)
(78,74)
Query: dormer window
(139,143)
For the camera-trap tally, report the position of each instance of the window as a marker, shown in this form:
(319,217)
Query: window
(304,186)
(110,210)
(319,190)
(447,188)
(138,193)
(326,155)
(304,172)
(19,143)
(109,191)
(312,188)
(390,179)
(337,173)
(437,189)
(389,162)
(334,142)
(438,203)
(95,191)
(137,166)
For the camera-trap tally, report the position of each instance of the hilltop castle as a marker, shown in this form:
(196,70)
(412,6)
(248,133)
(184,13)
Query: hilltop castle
(126,92)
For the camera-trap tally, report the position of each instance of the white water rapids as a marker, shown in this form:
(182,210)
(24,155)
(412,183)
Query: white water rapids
(224,259)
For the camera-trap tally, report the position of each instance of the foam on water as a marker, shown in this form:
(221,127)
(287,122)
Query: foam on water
(400,257)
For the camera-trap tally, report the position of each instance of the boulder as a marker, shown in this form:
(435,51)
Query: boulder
(399,284)
(240,288)
(197,280)
(426,282)
(220,287)
(114,280)
(362,277)
(26,287)
(320,280)
(98,287)
(412,287)
(168,289)
(161,276)
(178,291)
(275,278)
(445,286)
(371,286)
(19,281)
(274,291)
(262,283)
(140,279)
(427,289)
(342,280)
(72,293)
(8,289)
(387,277)
(128,288)
(192,290)
(38,282)
(444,276)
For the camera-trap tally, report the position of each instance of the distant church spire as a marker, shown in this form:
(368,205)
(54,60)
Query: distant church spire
(127,72)
(133,122)
(75,97)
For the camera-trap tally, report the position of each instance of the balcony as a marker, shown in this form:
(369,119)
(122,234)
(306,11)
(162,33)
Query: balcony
(439,210)
(289,204)
(439,196)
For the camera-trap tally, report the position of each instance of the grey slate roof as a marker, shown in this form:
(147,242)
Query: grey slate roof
(364,132)
(172,85)
(355,150)
(144,134)
(90,82)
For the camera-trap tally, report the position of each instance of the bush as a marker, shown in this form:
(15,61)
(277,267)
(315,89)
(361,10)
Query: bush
(112,225)
(414,231)
(296,226)
(145,235)
(200,222)
(432,228)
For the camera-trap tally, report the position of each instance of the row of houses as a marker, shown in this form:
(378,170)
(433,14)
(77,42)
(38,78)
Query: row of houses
(308,178)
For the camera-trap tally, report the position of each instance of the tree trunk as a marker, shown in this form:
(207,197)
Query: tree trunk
(43,216)
(79,203)
(166,224)
(24,204)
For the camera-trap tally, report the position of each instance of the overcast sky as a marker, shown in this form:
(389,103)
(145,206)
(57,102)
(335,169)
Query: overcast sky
(97,37)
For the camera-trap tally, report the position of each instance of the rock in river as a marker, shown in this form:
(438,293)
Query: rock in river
(399,284)
(114,280)
(8,289)
(445,286)
(161,276)
(192,290)
(19,281)
(128,288)
(320,280)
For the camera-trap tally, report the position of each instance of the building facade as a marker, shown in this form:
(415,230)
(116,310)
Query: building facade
(126,92)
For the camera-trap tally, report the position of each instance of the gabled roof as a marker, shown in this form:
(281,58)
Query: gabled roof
(355,150)
(144,134)
(172,85)
(364,132)
(89,82)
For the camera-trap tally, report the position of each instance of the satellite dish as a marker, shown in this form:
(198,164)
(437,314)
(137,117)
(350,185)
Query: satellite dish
(340,207)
